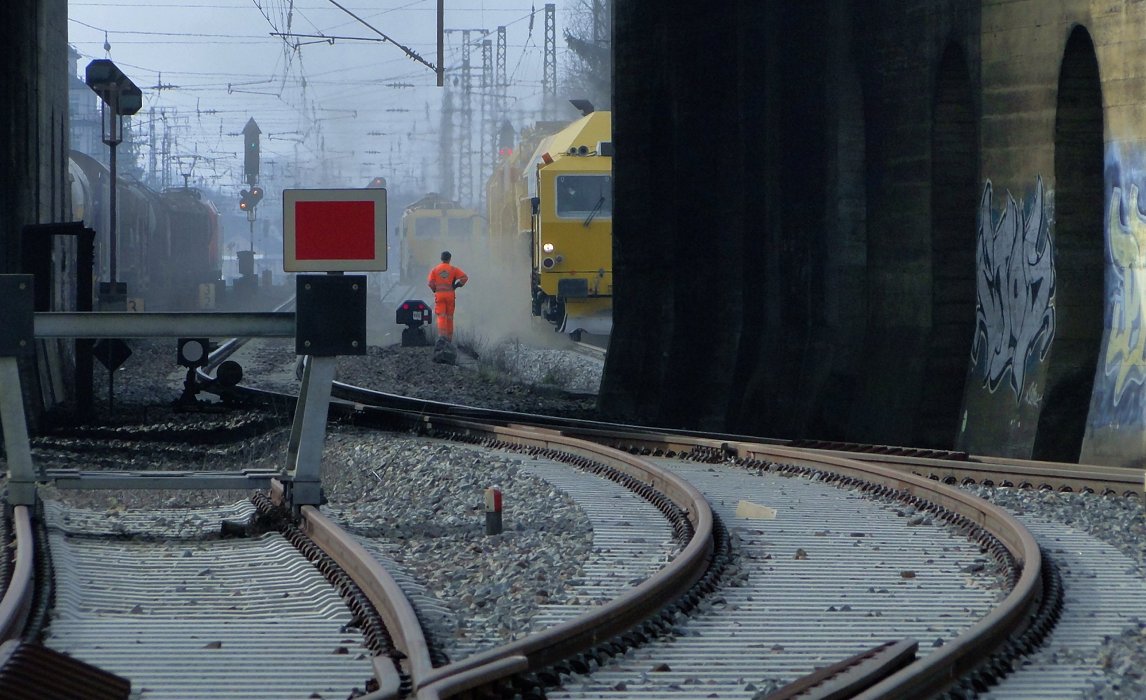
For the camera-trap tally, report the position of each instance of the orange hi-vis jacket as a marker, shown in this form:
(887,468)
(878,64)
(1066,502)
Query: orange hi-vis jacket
(445,278)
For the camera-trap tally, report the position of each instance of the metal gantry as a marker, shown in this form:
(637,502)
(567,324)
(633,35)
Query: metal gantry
(549,69)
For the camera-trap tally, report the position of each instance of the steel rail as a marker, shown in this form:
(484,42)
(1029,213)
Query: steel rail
(960,468)
(173,324)
(17,601)
(940,669)
(999,471)
(556,643)
(379,586)
(963,470)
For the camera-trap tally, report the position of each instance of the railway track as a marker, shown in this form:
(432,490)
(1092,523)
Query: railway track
(185,614)
(576,640)
(916,482)
(966,470)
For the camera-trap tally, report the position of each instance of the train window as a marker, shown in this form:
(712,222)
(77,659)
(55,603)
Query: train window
(459,227)
(427,227)
(581,196)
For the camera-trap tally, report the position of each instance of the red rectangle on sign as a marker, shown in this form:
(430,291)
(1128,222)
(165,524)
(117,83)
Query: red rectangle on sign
(334,230)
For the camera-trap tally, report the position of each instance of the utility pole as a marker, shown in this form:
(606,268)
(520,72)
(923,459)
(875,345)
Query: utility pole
(549,69)
(502,81)
(446,143)
(441,69)
(465,153)
(600,22)
(166,148)
(488,118)
(151,149)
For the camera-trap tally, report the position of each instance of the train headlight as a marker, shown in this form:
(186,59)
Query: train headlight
(547,247)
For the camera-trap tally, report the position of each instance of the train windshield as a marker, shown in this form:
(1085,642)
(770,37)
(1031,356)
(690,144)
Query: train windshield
(585,196)
(427,227)
(460,228)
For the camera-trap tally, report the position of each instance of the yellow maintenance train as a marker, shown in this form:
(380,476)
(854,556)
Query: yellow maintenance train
(553,196)
(433,224)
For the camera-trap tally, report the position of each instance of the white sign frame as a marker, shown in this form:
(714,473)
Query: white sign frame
(291,198)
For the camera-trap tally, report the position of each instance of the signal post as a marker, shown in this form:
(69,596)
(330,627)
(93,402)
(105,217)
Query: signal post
(331,231)
(248,202)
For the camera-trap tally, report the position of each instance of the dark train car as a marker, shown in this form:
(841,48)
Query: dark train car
(167,243)
(194,245)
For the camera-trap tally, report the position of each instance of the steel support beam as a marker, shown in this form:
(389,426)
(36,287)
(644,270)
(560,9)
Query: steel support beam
(308,432)
(269,324)
(157,480)
(21,475)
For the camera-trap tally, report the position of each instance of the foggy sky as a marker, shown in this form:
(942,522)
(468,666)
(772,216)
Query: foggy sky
(209,65)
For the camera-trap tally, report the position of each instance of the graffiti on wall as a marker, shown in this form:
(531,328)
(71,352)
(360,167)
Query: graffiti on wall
(1126,345)
(1015,291)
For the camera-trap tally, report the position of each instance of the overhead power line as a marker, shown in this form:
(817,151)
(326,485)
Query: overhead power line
(408,51)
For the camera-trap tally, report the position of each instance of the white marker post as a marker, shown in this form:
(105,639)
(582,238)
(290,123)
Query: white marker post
(493,511)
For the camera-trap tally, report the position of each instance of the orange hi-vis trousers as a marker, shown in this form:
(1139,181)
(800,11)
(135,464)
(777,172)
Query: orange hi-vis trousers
(444,310)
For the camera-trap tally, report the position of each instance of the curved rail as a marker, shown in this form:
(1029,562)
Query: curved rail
(380,587)
(554,644)
(602,623)
(939,669)
(1010,472)
(17,600)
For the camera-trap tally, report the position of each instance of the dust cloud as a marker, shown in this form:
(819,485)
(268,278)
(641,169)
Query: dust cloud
(494,307)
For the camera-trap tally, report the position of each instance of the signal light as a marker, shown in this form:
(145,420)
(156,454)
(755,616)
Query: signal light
(244,200)
(256,195)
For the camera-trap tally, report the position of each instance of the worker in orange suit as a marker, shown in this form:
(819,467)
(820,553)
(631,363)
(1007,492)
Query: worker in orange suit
(443,280)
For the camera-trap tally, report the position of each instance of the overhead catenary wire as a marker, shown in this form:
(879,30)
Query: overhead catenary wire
(207,103)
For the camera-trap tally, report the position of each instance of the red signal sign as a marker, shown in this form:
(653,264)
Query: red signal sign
(334,230)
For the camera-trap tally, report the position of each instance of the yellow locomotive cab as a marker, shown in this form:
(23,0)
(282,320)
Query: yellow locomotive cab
(433,224)
(572,226)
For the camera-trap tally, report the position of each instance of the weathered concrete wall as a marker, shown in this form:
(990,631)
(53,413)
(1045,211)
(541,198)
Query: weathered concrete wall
(907,381)
(1054,184)
(1116,424)
(33,147)
(1015,315)
(33,155)
(683,232)
(773,225)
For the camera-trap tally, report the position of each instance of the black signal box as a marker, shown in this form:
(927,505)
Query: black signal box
(330,315)
(17,319)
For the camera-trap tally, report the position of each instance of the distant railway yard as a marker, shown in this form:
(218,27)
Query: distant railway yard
(628,562)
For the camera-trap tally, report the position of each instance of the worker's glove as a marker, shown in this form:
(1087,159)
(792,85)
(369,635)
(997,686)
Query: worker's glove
(458,283)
